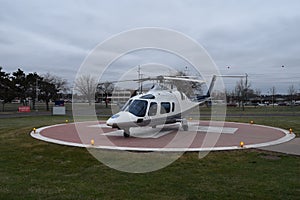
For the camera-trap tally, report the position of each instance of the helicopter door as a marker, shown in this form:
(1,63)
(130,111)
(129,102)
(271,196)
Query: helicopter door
(152,109)
(152,113)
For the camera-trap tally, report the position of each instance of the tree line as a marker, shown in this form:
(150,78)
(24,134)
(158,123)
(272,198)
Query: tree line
(243,93)
(31,86)
(88,87)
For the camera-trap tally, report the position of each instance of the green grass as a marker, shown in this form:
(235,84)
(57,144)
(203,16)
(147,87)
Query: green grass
(268,110)
(32,169)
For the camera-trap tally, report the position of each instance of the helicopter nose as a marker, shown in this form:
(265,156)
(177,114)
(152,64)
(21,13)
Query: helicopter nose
(112,121)
(119,119)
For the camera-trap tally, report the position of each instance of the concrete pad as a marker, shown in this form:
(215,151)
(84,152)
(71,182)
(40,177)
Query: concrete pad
(201,136)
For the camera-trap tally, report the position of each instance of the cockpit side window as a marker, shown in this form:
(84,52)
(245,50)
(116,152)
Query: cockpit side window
(138,108)
(126,106)
(152,109)
(165,107)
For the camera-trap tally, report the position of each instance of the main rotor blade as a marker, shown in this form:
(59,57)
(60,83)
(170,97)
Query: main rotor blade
(184,79)
(160,78)
(232,76)
(130,80)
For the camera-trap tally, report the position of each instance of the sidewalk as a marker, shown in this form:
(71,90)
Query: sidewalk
(25,114)
(292,147)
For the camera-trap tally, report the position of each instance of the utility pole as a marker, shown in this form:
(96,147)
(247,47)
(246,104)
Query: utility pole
(245,92)
(36,93)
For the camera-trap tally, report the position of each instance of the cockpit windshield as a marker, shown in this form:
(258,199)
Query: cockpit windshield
(138,108)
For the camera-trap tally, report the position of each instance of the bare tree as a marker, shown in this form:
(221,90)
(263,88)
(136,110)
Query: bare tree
(86,85)
(60,83)
(257,92)
(105,89)
(273,93)
(241,90)
(51,87)
(292,91)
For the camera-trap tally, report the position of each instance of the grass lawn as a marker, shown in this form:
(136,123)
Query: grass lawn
(32,169)
(257,111)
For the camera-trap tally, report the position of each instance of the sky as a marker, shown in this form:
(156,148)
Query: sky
(254,36)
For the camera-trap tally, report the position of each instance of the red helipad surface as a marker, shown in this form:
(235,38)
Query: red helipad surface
(202,136)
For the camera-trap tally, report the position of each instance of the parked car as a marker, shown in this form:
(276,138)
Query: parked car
(261,104)
(282,104)
(232,104)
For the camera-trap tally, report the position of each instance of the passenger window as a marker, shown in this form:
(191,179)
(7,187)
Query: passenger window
(165,107)
(173,106)
(152,109)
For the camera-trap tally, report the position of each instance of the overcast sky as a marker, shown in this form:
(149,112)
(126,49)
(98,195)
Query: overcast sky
(254,36)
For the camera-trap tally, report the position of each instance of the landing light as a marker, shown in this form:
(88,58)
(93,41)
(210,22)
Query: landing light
(241,144)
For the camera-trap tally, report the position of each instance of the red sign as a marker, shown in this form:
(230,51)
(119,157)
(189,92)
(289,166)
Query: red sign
(24,108)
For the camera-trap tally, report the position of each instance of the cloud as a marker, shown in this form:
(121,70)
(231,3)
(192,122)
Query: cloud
(254,37)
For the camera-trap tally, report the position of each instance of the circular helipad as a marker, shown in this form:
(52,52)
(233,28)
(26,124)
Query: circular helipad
(98,135)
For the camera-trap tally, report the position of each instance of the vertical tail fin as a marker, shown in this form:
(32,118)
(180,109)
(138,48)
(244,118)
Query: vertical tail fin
(212,84)
(214,78)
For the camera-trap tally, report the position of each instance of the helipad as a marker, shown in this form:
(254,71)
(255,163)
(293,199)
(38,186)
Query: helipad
(202,136)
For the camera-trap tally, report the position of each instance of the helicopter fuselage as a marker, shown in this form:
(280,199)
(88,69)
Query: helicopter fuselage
(160,105)
(154,108)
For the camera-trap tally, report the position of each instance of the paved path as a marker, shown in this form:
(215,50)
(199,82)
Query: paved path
(290,147)
(27,114)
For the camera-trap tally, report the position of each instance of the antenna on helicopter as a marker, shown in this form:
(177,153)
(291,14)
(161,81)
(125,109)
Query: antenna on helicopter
(140,77)
(186,71)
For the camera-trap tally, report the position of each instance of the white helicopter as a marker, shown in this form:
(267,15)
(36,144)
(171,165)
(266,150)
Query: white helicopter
(160,105)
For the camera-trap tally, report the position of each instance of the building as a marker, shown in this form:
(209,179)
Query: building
(120,96)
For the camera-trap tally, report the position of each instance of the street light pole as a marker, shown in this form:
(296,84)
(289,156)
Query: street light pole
(36,94)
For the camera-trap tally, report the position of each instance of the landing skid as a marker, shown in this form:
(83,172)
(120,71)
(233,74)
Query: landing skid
(184,124)
(126,133)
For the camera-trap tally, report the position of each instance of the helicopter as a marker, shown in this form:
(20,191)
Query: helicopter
(160,105)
